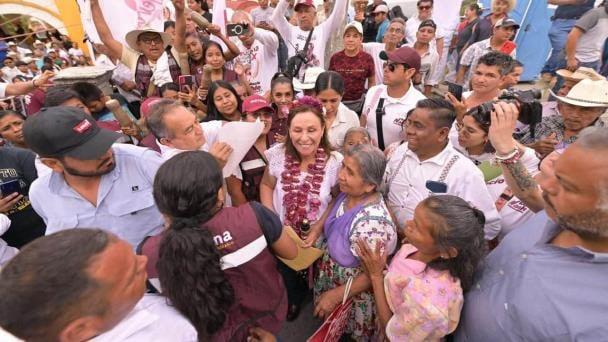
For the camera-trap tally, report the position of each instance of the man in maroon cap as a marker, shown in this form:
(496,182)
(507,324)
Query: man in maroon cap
(386,105)
(296,37)
(244,183)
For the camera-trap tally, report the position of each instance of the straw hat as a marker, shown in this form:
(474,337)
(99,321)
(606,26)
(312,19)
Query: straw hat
(587,93)
(310,77)
(131,37)
(580,74)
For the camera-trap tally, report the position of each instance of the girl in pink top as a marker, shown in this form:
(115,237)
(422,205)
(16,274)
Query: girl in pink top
(421,295)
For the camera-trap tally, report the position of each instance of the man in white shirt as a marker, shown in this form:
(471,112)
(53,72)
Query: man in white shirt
(425,12)
(392,39)
(261,14)
(386,105)
(428,164)
(9,71)
(258,55)
(295,36)
(85,285)
(429,58)
(177,130)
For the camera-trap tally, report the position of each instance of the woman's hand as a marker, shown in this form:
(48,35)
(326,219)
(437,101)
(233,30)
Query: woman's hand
(503,121)
(214,29)
(313,235)
(373,262)
(327,302)
(190,96)
(460,107)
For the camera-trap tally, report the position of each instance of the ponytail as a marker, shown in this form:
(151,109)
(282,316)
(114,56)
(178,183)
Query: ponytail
(189,270)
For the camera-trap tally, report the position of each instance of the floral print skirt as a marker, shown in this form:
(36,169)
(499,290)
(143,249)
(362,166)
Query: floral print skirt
(361,325)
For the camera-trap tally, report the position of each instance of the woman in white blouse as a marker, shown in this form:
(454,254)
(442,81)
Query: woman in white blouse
(329,89)
(298,181)
(474,142)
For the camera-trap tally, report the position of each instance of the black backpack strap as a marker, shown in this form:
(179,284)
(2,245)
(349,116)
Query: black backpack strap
(379,128)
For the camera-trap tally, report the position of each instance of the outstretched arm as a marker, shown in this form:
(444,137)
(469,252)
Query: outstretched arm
(113,45)
(180,26)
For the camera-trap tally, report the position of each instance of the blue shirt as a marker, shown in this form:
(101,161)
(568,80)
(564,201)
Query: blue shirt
(381,30)
(125,206)
(530,290)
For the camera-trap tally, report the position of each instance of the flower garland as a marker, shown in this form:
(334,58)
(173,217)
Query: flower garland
(300,195)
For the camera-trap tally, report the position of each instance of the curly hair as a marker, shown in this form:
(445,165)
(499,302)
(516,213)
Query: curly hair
(189,266)
(306,104)
(459,226)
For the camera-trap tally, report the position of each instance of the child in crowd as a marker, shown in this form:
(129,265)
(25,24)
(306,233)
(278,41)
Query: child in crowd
(421,296)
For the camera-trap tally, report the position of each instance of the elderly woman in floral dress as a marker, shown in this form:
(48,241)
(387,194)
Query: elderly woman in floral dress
(359,212)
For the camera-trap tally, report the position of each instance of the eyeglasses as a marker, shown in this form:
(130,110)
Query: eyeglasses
(391,66)
(395,30)
(424,8)
(150,40)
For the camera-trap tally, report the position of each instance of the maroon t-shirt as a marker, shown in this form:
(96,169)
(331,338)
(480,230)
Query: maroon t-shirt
(354,70)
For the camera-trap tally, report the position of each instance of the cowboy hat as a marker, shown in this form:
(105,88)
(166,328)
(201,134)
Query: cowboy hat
(587,93)
(580,74)
(132,36)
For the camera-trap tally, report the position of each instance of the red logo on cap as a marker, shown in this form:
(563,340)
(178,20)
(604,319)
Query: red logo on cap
(82,127)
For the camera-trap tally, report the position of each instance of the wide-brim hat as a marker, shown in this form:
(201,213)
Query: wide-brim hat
(310,78)
(131,37)
(587,93)
(580,74)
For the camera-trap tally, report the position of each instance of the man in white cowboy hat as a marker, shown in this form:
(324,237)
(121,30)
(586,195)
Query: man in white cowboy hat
(580,108)
(145,54)
(307,85)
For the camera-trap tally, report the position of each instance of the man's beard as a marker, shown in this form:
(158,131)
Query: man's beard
(96,173)
(589,225)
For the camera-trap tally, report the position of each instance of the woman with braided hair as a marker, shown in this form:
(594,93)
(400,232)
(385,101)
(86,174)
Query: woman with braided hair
(213,263)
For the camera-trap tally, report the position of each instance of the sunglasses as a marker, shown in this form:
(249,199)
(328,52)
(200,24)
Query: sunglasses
(391,66)
(424,8)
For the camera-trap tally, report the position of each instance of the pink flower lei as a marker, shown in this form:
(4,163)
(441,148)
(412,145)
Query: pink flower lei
(301,199)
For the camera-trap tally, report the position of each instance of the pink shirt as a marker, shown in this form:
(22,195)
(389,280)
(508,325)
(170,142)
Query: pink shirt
(426,303)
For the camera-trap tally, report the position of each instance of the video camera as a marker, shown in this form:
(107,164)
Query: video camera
(530,109)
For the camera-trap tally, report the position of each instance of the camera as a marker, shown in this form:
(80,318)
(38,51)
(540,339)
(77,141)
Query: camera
(234,30)
(530,108)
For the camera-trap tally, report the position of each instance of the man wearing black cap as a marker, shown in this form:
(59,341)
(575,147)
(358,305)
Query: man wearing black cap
(386,105)
(503,32)
(94,183)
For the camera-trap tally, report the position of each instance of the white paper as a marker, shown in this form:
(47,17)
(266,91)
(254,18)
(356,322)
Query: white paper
(240,136)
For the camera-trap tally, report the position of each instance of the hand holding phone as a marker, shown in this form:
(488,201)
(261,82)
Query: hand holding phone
(11,193)
(234,30)
(456,90)
(186,82)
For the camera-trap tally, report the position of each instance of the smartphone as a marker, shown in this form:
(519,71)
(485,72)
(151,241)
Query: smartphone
(237,29)
(456,90)
(508,47)
(185,80)
(437,187)
(11,187)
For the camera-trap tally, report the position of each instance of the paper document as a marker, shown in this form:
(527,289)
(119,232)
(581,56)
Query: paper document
(306,256)
(240,136)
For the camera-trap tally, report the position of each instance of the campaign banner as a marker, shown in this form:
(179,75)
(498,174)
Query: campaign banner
(123,16)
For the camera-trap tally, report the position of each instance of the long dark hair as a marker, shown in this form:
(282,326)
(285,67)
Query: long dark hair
(212,112)
(206,47)
(304,105)
(460,227)
(189,268)
(483,121)
(330,80)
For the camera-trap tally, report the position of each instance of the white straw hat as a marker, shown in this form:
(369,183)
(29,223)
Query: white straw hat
(587,93)
(310,77)
(131,37)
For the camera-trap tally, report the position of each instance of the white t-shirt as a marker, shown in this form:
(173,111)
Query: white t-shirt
(395,111)
(258,14)
(3,89)
(276,165)
(345,120)
(514,212)
(406,178)
(374,50)
(411,27)
(260,60)
(295,38)
(428,64)
(75,52)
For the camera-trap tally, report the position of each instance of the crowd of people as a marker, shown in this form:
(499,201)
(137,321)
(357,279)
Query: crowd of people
(479,213)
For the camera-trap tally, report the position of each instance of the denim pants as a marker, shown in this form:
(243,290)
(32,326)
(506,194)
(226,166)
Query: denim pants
(558,34)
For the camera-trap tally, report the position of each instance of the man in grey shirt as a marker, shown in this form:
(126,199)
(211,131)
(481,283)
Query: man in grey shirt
(547,280)
(95,183)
